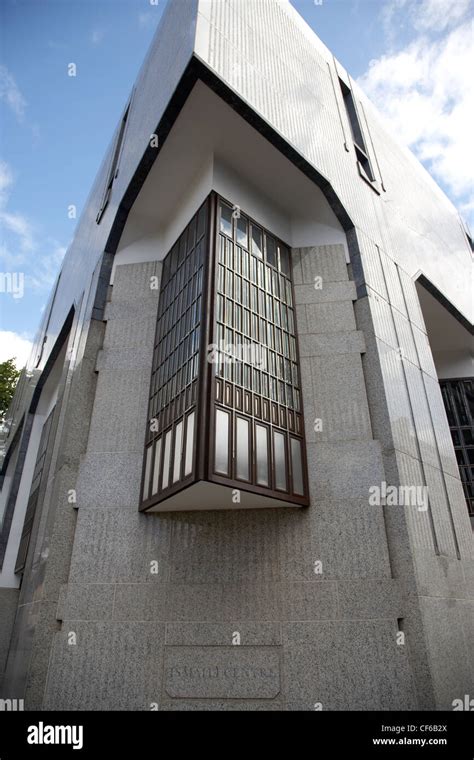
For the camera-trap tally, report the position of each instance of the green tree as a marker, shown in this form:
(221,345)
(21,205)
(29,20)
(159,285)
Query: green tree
(9,375)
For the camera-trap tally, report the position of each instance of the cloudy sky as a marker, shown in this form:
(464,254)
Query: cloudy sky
(413,58)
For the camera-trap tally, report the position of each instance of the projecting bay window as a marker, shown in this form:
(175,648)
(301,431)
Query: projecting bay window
(225,412)
(458,397)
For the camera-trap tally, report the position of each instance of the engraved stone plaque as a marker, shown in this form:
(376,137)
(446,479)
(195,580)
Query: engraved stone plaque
(237,672)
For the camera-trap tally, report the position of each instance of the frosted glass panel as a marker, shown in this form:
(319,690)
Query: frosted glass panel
(222,442)
(178,447)
(280,463)
(226,219)
(297,467)
(261,445)
(156,467)
(242,447)
(188,461)
(166,460)
(146,482)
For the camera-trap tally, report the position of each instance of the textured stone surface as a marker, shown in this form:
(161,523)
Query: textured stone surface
(111,666)
(324,664)
(8,606)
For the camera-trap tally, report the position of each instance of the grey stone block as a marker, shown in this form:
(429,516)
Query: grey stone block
(323,665)
(119,546)
(335,343)
(223,634)
(133,281)
(110,480)
(130,333)
(137,359)
(443,619)
(120,412)
(141,601)
(331,291)
(225,547)
(224,602)
(326,261)
(330,317)
(338,398)
(112,666)
(349,540)
(368,598)
(309,600)
(344,470)
(94,601)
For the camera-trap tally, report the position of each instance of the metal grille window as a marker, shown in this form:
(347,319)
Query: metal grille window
(458,397)
(225,396)
(174,381)
(256,371)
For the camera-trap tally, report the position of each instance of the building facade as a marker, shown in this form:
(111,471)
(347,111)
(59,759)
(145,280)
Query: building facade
(237,469)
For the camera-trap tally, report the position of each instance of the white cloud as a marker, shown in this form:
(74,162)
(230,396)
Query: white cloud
(22,248)
(438,15)
(6,179)
(10,93)
(15,345)
(45,272)
(426,93)
(423,15)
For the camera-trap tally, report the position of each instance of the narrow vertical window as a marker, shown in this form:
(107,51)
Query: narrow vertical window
(226,219)
(222,443)
(188,460)
(297,466)
(242,449)
(261,450)
(156,468)
(178,444)
(146,479)
(166,460)
(280,461)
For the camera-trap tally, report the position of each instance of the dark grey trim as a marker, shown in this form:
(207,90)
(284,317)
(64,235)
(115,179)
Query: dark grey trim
(10,505)
(197,70)
(444,302)
(26,432)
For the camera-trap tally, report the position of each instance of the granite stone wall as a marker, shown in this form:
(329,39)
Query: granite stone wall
(265,609)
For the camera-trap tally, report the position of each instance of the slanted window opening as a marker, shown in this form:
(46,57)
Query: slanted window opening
(360,147)
(34,493)
(113,169)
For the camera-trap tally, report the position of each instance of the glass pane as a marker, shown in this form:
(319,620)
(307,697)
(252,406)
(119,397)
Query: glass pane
(297,467)
(146,481)
(242,232)
(284,260)
(166,460)
(261,445)
(271,250)
(257,241)
(156,468)
(242,448)
(222,442)
(280,461)
(178,444)
(226,219)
